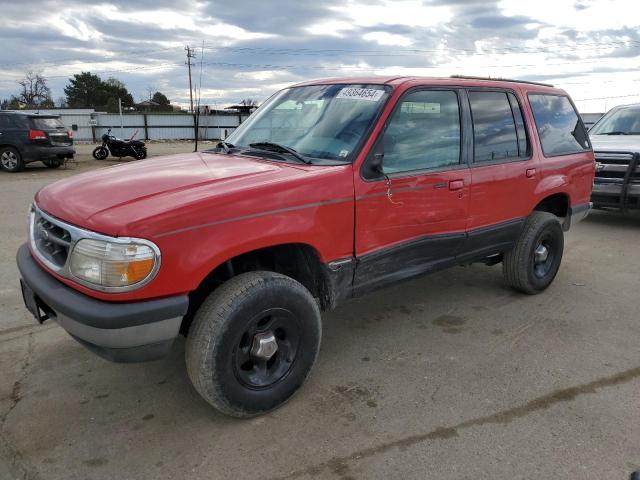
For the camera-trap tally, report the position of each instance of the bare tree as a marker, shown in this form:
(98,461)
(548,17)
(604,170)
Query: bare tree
(249,102)
(151,89)
(34,90)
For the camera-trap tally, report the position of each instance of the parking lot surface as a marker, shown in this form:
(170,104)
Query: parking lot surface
(452,376)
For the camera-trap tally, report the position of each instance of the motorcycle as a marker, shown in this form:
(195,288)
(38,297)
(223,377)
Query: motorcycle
(120,148)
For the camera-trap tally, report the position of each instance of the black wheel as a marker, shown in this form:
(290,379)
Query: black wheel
(140,153)
(10,160)
(53,163)
(533,263)
(253,342)
(100,153)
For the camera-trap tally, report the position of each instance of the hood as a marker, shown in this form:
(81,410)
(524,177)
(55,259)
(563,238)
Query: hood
(110,200)
(615,143)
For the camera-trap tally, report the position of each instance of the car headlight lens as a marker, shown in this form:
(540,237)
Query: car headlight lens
(111,264)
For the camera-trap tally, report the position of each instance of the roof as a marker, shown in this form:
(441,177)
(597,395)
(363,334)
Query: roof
(31,114)
(395,81)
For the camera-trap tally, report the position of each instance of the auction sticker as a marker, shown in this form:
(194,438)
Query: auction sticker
(369,94)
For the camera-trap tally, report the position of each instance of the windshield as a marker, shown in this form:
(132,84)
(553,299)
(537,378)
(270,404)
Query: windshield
(319,121)
(623,121)
(46,123)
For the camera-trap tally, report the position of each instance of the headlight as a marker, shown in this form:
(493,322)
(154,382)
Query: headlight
(111,264)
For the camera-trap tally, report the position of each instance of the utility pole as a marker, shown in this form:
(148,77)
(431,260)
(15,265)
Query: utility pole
(190,54)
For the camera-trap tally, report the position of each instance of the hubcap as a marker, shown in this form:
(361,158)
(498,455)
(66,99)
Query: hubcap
(9,160)
(267,348)
(544,256)
(542,253)
(264,345)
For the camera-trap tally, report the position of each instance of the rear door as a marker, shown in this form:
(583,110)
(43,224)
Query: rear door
(503,172)
(54,128)
(9,131)
(412,218)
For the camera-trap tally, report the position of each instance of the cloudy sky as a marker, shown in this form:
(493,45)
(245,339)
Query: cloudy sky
(252,48)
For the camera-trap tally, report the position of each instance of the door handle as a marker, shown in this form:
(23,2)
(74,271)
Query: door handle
(456,185)
(531,172)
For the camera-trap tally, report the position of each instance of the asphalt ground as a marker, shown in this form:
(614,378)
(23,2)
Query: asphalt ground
(451,376)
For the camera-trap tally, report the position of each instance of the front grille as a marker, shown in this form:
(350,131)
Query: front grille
(615,168)
(51,240)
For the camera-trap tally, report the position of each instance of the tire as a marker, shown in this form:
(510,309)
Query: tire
(222,340)
(140,153)
(528,271)
(53,163)
(11,160)
(100,153)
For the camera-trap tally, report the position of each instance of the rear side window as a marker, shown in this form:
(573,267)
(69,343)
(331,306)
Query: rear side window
(560,130)
(423,132)
(47,123)
(495,129)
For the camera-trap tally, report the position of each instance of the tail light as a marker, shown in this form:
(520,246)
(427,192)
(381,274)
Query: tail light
(70,133)
(37,135)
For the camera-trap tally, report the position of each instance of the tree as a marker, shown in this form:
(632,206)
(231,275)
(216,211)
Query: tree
(249,102)
(86,90)
(34,91)
(163,102)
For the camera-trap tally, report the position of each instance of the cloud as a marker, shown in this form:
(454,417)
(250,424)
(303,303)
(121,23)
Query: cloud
(252,48)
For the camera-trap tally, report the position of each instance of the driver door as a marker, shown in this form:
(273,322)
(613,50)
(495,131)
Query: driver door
(411,217)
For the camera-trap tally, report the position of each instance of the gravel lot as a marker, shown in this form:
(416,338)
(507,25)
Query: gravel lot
(452,376)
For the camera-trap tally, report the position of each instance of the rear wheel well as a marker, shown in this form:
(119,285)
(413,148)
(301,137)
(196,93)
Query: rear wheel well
(298,261)
(558,204)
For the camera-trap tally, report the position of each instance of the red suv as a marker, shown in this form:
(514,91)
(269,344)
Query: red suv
(329,190)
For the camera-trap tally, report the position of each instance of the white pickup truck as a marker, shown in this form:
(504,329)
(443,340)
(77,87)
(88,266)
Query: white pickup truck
(616,143)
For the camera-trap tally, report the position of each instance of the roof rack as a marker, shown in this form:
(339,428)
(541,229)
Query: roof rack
(470,77)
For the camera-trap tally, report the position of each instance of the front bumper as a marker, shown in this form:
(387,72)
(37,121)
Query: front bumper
(120,332)
(34,153)
(613,195)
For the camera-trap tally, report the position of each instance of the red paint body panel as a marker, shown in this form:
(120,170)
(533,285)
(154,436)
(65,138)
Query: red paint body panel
(202,209)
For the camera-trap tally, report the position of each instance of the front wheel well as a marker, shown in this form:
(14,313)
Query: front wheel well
(296,260)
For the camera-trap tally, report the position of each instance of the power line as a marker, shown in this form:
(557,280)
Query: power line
(71,61)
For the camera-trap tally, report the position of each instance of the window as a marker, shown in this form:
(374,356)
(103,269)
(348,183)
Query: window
(559,127)
(423,133)
(47,123)
(494,127)
(5,121)
(523,144)
(319,121)
(619,121)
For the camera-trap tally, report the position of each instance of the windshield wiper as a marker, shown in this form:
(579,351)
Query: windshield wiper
(277,148)
(225,146)
(615,133)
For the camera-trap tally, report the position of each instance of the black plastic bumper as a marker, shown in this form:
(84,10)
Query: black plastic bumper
(120,332)
(34,153)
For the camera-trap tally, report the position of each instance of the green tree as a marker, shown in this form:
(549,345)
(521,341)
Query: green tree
(163,102)
(86,90)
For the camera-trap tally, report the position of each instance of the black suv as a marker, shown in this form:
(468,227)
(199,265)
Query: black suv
(28,138)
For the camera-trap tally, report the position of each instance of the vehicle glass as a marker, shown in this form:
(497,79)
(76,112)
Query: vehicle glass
(318,121)
(559,127)
(5,122)
(423,133)
(523,144)
(621,121)
(494,129)
(47,123)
